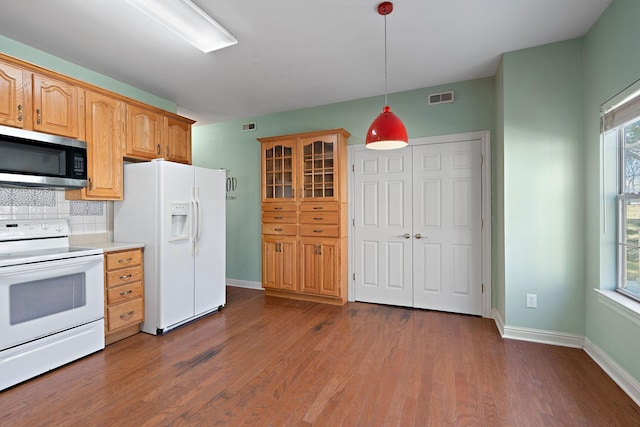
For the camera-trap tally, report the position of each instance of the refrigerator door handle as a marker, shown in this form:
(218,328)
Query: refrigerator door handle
(194,231)
(199,227)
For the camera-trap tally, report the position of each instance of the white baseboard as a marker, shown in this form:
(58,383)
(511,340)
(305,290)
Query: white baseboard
(544,337)
(627,383)
(630,385)
(244,284)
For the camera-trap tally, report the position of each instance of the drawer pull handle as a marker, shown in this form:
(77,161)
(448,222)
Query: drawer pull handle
(317,208)
(126,315)
(125,260)
(277,217)
(126,276)
(277,209)
(277,229)
(317,231)
(318,219)
(122,294)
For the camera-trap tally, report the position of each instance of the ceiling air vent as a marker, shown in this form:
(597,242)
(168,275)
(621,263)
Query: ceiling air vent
(248,127)
(440,98)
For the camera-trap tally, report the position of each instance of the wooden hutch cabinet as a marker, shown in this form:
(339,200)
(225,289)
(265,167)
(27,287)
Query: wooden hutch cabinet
(304,216)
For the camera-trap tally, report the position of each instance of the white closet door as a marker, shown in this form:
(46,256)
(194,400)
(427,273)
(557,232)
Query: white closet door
(447,273)
(383,258)
(432,195)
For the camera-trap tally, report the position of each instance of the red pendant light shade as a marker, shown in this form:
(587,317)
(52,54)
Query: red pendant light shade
(387,131)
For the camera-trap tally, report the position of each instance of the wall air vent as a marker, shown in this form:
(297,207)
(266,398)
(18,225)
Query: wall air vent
(248,127)
(441,98)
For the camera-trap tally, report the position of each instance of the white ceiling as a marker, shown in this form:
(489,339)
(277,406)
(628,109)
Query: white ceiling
(294,54)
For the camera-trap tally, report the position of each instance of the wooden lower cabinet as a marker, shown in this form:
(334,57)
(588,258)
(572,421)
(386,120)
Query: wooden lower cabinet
(124,294)
(279,257)
(319,267)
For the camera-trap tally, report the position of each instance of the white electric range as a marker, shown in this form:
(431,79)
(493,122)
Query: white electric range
(51,299)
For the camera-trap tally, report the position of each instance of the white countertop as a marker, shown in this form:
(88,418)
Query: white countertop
(113,246)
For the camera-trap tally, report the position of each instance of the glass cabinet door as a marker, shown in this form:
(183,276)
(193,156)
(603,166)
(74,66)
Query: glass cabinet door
(318,167)
(278,171)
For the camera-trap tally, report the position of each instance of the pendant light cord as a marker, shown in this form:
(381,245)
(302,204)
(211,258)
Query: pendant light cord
(385,61)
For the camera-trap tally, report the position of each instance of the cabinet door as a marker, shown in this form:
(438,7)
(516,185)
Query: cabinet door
(12,97)
(319,267)
(57,107)
(145,136)
(178,147)
(279,267)
(319,168)
(105,120)
(278,171)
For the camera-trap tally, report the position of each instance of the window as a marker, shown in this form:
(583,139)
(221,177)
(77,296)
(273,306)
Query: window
(622,123)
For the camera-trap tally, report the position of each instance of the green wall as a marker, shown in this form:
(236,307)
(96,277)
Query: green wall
(542,187)
(611,63)
(50,62)
(224,145)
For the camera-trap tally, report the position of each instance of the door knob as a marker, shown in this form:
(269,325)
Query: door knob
(418,236)
(407,236)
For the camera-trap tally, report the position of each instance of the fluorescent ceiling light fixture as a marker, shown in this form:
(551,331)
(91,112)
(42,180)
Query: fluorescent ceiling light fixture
(188,21)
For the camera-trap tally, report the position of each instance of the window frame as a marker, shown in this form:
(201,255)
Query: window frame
(623,197)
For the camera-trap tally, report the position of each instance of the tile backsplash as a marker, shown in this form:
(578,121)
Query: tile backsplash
(85,217)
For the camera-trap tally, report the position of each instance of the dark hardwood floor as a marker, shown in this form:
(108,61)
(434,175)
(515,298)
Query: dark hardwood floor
(276,362)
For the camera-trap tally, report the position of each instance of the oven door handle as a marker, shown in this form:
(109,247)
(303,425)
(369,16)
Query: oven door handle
(46,265)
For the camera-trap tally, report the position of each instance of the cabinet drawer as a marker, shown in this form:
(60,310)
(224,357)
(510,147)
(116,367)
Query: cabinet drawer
(124,292)
(125,314)
(279,216)
(279,229)
(278,207)
(316,207)
(319,230)
(125,275)
(319,217)
(123,259)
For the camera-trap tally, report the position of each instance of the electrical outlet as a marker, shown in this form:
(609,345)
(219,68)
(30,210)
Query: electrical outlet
(532,301)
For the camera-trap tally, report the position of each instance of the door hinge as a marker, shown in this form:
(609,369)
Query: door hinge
(481,159)
(482,287)
(353,222)
(482,223)
(353,168)
(354,276)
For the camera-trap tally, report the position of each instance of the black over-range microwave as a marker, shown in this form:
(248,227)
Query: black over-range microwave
(38,159)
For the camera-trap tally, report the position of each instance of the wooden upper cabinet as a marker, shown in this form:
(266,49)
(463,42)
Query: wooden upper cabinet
(304,167)
(105,136)
(319,157)
(145,134)
(279,171)
(57,107)
(178,141)
(12,95)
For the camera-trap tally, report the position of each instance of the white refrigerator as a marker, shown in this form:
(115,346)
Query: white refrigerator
(178,212)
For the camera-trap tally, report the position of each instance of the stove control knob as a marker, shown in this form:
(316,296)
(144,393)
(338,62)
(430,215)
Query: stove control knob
(45,226)
(58,228)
